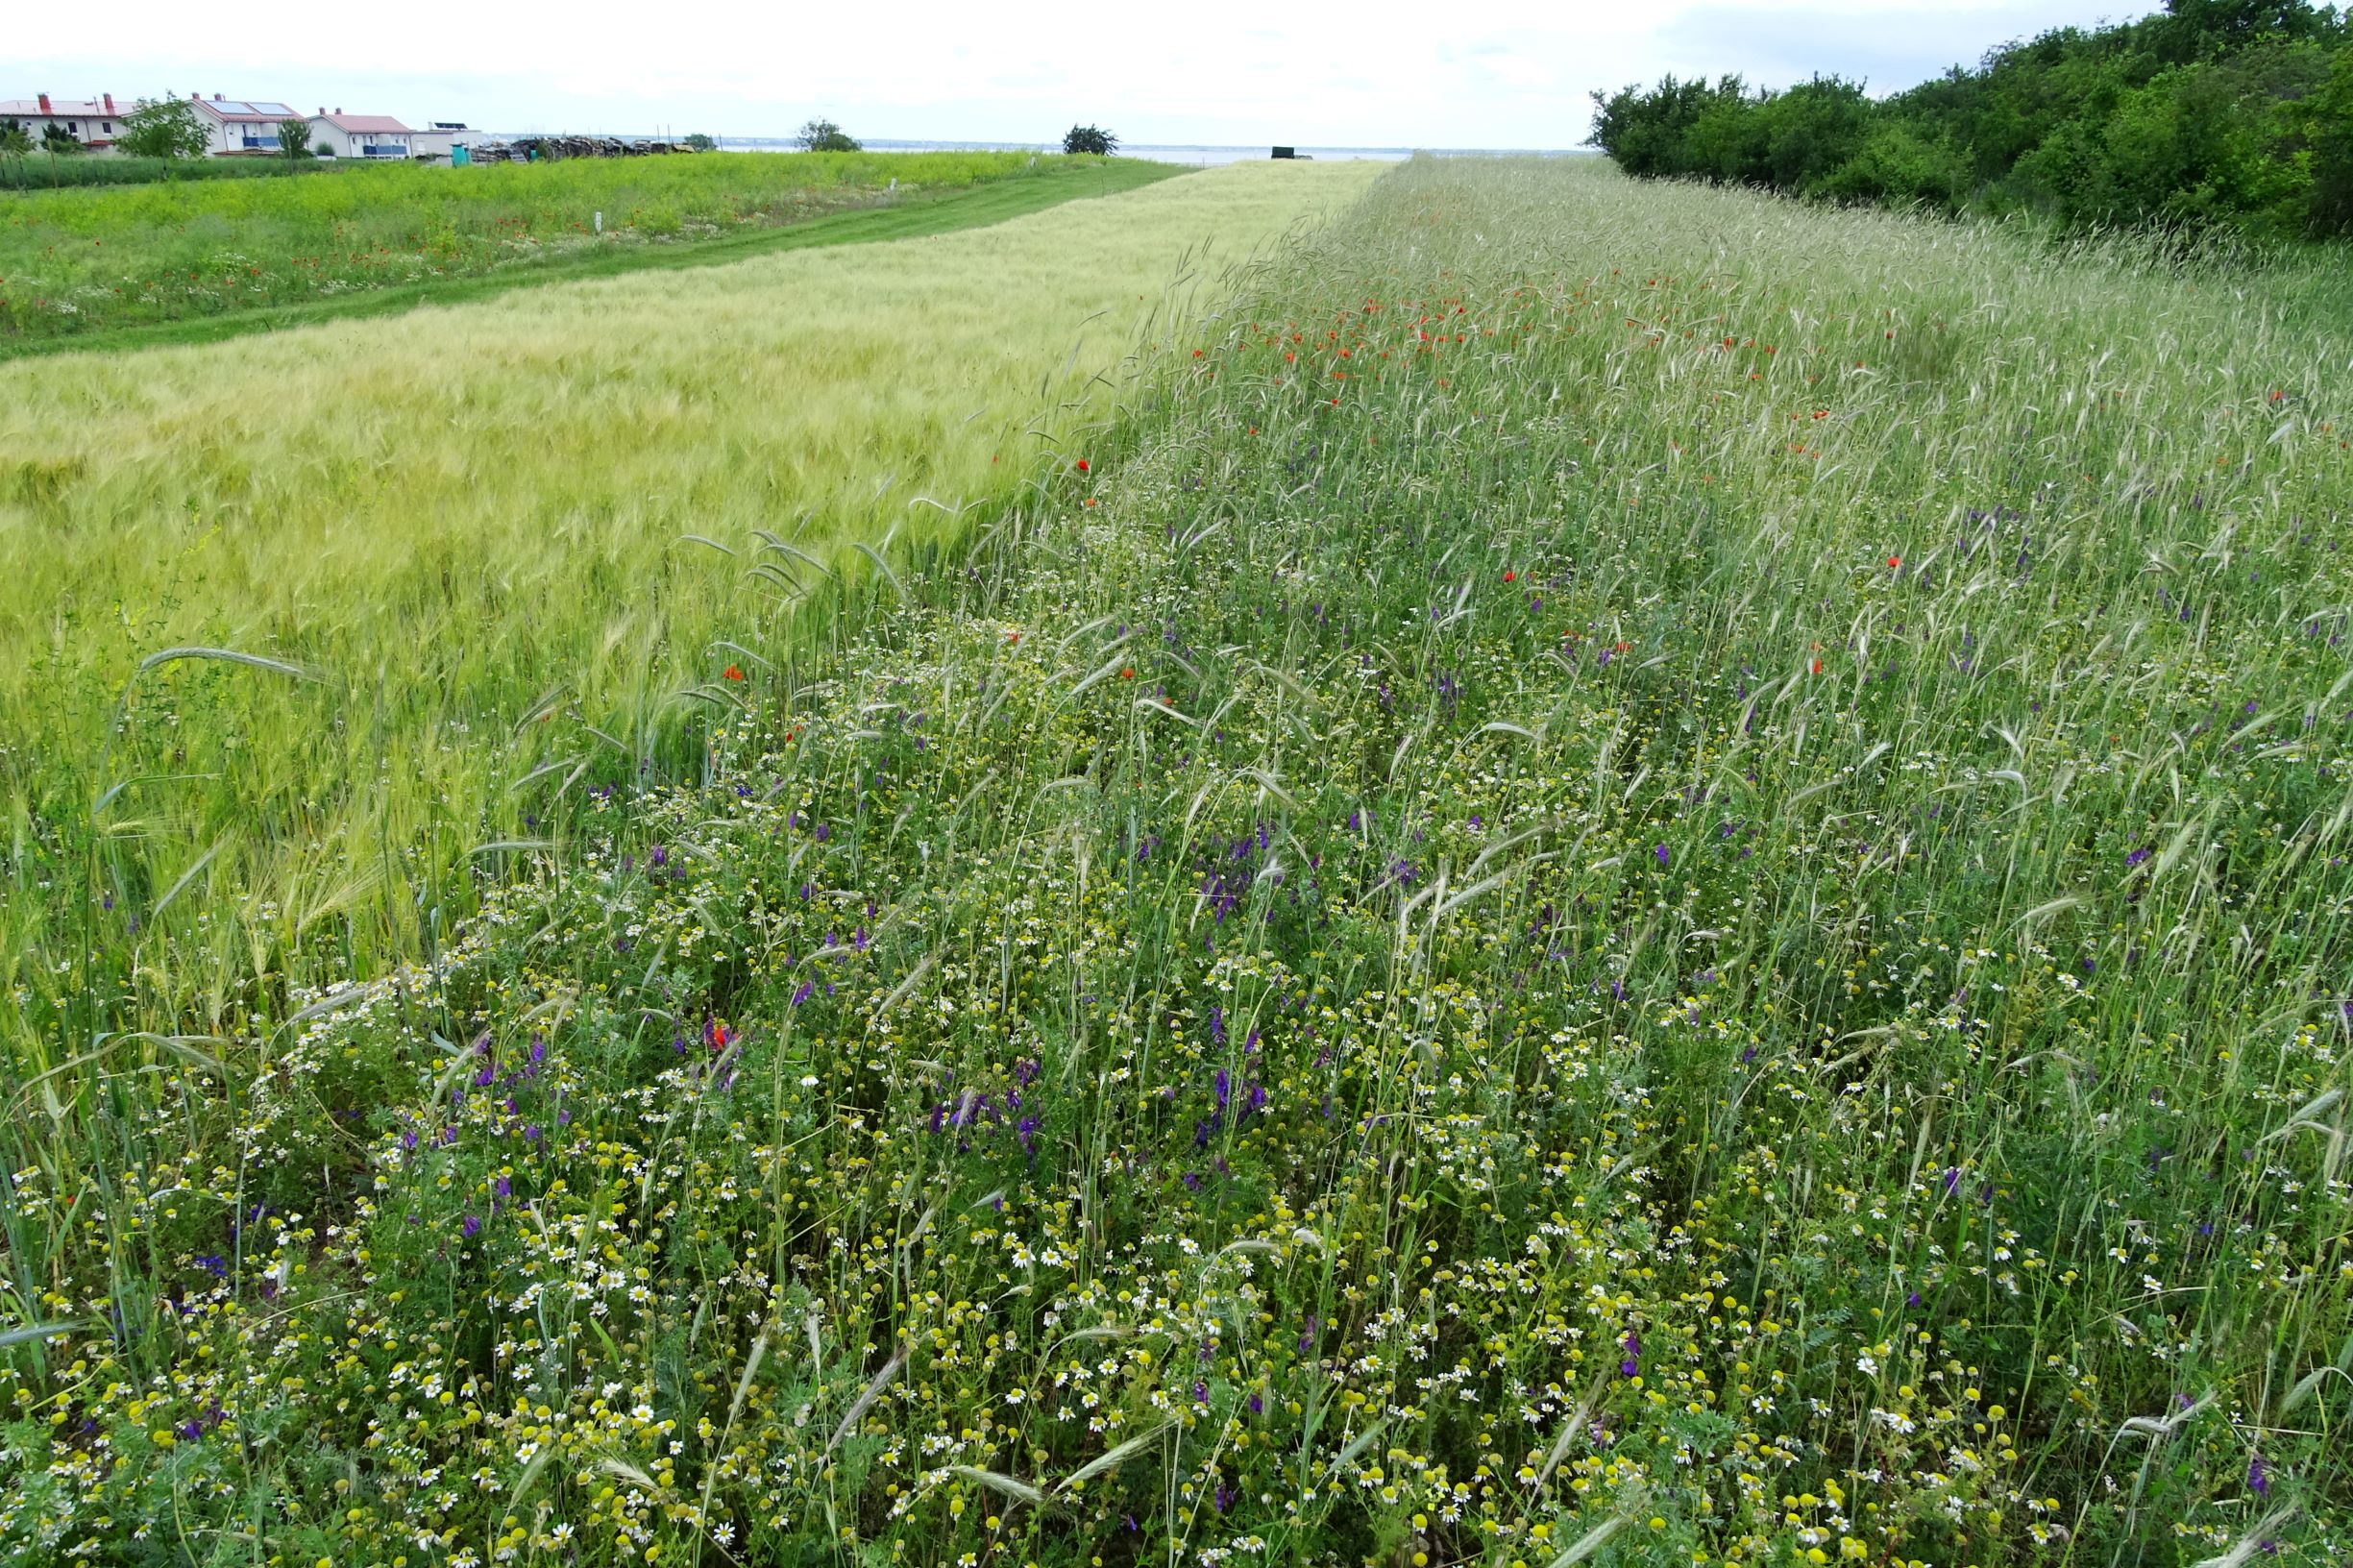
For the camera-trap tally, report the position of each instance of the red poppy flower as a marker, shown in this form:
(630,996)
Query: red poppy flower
(1894,561)
(1512,576)
(1081,465)
(735,672)
(1127,673)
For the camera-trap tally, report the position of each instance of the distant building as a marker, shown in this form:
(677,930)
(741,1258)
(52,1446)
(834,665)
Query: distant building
(90,121)
(363,135)
(240,125)
(441,143)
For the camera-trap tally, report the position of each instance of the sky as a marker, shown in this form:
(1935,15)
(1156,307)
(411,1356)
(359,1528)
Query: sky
(1500,73)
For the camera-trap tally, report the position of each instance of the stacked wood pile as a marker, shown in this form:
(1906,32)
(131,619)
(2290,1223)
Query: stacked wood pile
(545,149)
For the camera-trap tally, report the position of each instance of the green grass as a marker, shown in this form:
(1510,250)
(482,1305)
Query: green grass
(74,264)
(912,217)
(47,171)
(1642,877)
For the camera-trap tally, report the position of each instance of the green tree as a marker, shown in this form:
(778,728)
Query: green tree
(1090,138)
(164,128)
(16,146)
(293,138)
(56,139)
(825,136)
(701,143)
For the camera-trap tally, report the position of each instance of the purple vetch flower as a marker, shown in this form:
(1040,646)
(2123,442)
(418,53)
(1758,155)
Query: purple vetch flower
(1952,1180)
(504,1187)
(2258,1477)
(1217,1032)
(1307,1340)
(471,1228)
(1225,1088)
(2135,858)
(1911,1298)
(1201,1392)
(1633,1355)
(802,994)
(1663,856)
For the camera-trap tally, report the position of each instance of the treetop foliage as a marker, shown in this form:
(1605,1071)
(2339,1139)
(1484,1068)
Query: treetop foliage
(2212,113)
(1089,138)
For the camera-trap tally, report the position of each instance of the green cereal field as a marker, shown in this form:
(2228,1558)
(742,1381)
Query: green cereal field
(1462,863)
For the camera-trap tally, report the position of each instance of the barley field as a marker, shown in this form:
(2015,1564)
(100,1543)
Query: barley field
(1625,875)
(506,554)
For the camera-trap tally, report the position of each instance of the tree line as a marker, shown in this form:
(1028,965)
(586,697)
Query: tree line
(2235,114)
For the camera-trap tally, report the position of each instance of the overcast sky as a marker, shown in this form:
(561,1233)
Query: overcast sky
(1500,73)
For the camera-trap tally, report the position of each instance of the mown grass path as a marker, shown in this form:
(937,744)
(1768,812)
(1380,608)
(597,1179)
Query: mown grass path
(911,217)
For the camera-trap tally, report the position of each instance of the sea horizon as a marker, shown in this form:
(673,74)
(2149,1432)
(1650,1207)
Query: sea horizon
(1199,153)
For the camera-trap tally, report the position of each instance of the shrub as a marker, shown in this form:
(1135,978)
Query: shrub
(166,128)
(1089,138)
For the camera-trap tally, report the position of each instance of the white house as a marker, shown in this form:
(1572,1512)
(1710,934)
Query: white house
(362,136)
(240,125)
(90,121)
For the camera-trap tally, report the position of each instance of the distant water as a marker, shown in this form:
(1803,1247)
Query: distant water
(1199,155)
(1162,154)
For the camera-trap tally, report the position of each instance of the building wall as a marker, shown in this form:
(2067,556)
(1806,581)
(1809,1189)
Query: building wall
(82,127)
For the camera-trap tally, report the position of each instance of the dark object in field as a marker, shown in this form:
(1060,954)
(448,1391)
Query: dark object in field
(1089,138)
(1286,152)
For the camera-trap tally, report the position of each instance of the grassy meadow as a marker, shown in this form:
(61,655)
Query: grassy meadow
(77,261)
(1630,874)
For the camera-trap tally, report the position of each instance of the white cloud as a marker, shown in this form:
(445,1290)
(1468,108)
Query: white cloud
(1510,73)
